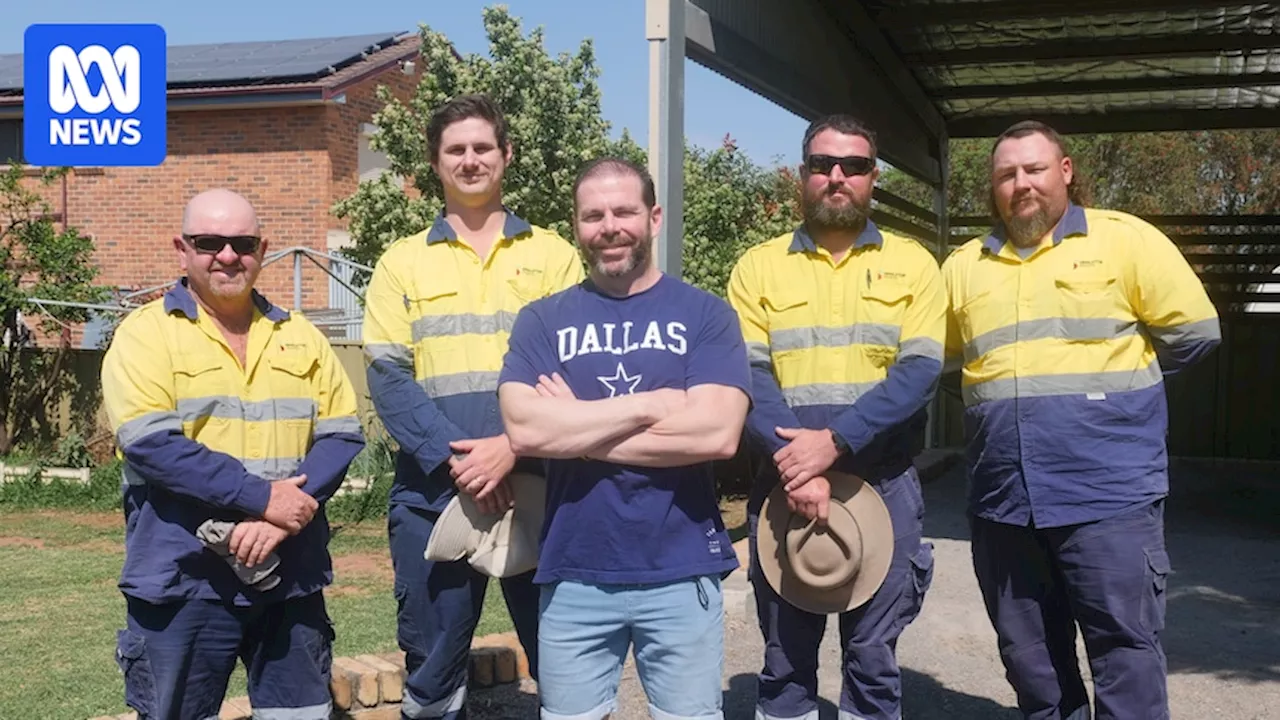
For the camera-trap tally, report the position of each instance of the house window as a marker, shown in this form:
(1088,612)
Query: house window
(11,143)
(373,163)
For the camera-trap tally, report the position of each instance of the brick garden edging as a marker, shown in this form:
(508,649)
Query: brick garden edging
(370,687)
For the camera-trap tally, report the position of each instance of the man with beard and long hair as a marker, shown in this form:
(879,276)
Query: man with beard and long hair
(844,324)
(630,384)
(1066,319)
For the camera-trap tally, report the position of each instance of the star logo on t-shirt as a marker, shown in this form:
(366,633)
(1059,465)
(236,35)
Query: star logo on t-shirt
(620,378)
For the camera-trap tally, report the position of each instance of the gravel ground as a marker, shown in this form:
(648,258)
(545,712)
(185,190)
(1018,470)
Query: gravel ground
(1222,639)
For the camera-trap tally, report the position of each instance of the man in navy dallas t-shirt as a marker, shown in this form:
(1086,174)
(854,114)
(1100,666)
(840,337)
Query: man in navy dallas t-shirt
(630,383)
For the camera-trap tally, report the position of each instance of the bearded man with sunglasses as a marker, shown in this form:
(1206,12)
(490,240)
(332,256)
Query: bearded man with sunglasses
(845,325)
(236,423)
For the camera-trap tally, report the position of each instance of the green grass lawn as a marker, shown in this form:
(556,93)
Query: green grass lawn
(60,609)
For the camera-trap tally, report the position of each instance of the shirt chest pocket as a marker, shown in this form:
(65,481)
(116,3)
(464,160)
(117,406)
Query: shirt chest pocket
(291,372)
(1087,297)
(437,320)
(196,378)
(524,289)
(882,308)
(791,331)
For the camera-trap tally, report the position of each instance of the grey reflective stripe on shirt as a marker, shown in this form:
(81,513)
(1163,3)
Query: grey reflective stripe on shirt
(131,476)
(826,393)
(265,468)
(311,712)
(401,355)
(920,347)
(758,354)
(345,424)
(226,406)
(1067,384)
(1056,327)
(413,708)
(460,384)
(810,337)
(1198,331)
(462,324)
(140,427)
(272,468)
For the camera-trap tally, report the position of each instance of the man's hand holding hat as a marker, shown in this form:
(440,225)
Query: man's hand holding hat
(811,499)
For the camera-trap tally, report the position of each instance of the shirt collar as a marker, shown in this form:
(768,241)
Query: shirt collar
(1073,223)
(801,241)
(513,227)
(180,299)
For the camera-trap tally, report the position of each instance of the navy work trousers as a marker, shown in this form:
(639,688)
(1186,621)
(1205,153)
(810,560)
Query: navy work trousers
(1109,577)
(438,608)
(872,681)
(178,657)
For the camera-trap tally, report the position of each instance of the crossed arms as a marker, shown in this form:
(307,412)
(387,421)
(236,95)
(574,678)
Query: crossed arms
(657,428)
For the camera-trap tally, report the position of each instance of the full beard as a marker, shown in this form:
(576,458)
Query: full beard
(819,215)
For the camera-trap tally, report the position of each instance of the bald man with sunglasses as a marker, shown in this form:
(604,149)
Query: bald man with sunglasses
(845,325)
(236,424)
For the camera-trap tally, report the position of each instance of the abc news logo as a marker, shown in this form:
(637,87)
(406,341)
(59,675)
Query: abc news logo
(94,95)
(69,90)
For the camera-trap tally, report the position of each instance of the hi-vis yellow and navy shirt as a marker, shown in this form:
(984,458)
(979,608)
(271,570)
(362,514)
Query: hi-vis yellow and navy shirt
(1063,356)
(854,346)
(203,438)
(437,319)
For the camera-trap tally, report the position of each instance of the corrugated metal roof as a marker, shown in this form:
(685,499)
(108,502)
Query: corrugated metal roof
(983,62)
(247,63)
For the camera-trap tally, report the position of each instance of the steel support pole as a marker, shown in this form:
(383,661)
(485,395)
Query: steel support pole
(937,434)
(297,281)
(664,28)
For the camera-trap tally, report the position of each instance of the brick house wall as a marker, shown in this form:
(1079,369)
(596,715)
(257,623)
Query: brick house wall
(293,162)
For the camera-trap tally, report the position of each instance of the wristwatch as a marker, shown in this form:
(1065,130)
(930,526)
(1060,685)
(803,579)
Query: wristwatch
(842,447)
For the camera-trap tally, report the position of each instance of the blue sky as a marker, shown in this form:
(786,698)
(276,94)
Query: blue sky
(714,106)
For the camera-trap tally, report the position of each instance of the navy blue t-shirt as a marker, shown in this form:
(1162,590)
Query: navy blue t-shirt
(620,524)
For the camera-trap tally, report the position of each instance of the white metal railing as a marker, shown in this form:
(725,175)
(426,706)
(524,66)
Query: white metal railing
(347,297)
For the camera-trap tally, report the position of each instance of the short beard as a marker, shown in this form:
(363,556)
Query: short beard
(639,257)
(819,216)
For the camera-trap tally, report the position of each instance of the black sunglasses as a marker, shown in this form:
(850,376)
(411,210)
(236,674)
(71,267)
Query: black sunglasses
(213,244)
(849,165)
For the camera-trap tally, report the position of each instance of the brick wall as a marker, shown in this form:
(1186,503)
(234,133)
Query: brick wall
(293,163)
(344,123)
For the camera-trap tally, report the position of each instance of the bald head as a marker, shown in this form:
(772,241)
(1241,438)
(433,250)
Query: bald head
(219,212)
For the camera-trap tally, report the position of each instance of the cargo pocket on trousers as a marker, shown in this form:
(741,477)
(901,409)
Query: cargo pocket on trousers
(139,683)
(921,578)
(1153,600)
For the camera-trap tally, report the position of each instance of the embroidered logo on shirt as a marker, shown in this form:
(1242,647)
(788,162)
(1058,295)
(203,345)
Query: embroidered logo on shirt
(1085,264)
(619,379)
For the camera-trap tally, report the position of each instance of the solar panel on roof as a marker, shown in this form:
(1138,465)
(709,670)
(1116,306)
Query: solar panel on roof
(229,62)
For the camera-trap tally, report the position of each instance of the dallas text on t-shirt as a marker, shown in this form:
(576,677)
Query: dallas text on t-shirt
(567,339)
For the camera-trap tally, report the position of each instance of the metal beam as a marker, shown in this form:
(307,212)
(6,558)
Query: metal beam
(893,222)
(664,28)
(989,126)
(1085,50)
(903,205)
(896,75)
(773,71)
(1055,88)
(914,16)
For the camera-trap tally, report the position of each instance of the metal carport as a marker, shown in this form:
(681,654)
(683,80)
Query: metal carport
(924,71)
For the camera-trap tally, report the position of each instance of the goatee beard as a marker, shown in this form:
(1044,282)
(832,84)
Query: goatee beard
(1026,231)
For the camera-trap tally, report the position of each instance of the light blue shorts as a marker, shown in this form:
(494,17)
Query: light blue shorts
(677,628)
